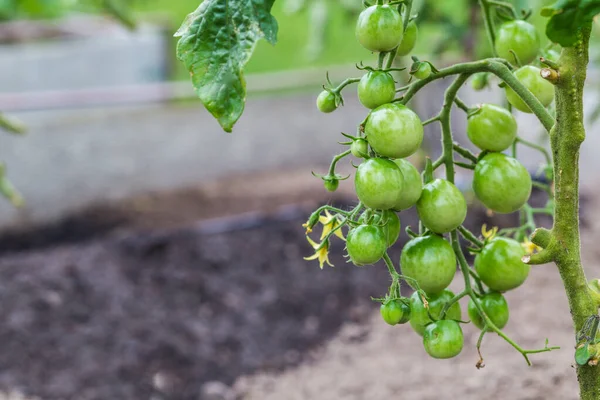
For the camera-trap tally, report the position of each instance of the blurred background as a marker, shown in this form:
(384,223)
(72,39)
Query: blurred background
(157,257)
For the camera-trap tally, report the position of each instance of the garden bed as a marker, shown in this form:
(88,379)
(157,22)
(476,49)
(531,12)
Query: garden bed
(151,297)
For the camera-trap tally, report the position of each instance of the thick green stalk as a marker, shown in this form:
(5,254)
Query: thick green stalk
(566,138)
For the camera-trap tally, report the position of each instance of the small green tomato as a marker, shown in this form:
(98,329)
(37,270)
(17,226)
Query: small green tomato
(326,102)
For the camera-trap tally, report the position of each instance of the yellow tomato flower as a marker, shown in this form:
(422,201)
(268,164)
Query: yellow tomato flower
(308,228)
(530,248)
(321,254)
(488,234)
(330,222)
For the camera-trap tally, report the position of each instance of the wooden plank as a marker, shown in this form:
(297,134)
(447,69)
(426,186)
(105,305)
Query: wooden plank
(164,91)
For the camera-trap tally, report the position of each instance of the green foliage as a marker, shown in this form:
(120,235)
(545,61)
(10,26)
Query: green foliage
(216,42)
(567,18)
(120,10)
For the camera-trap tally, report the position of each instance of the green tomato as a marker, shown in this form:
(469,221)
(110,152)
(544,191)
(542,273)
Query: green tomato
(441,207)
(379,28)
(499,264)
(360,148)
(394,130)
(492,128)
(331,185)
(395,312)
(494,305)
(420,318)
(413,185)
(326,102)
(443,339)
(501,183)
(530,77)
(366,244)
(391,226)
(378,183)
(376,88)
(479,81)
(409,40)
(519,36)
(430,261)
(423,71)
(388,220)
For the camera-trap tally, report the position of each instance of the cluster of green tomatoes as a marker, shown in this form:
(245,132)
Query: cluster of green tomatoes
(387,183)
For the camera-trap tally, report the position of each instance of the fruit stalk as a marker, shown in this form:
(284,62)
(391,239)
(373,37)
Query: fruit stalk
(448,160)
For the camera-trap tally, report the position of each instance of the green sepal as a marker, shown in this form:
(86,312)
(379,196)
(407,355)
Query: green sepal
(428,172)
(582,355)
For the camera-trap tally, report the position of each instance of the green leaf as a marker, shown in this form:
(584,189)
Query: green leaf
(121,11)
(582,355)
(216,42)
(567,17)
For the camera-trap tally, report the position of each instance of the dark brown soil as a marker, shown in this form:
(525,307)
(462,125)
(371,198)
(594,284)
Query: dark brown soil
(159,311)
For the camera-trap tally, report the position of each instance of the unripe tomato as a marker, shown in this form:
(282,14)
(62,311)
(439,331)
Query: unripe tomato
(423,71)
(441,207)
(409,40)
(494,305)
(366,244)
(331,185)
(499,264)
(360,148)
(430,261)
(395,312)
(379,28)
(376,88)
(479,81)
(326,102)
(413,185)
(492,128)
(501,183)
(388,220)
(394,130)
(443,339)
(419,316)
(378,183)
(530,77)
(519,36)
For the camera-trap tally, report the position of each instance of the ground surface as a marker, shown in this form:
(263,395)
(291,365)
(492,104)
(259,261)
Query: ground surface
(161,304)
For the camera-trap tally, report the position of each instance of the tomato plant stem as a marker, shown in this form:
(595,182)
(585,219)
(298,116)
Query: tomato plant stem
(467,234)
(461,104)
(489,23)
(566,138)
(345,83)
(490,326)
(496,66)
(537,147)
(335,160)
(447,140)
(448,161)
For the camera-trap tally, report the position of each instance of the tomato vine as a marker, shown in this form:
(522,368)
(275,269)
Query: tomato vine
(387,183)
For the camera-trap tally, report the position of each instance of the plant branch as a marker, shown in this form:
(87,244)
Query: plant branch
(448,158)
(537,147)
(497,67)
(489,23)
